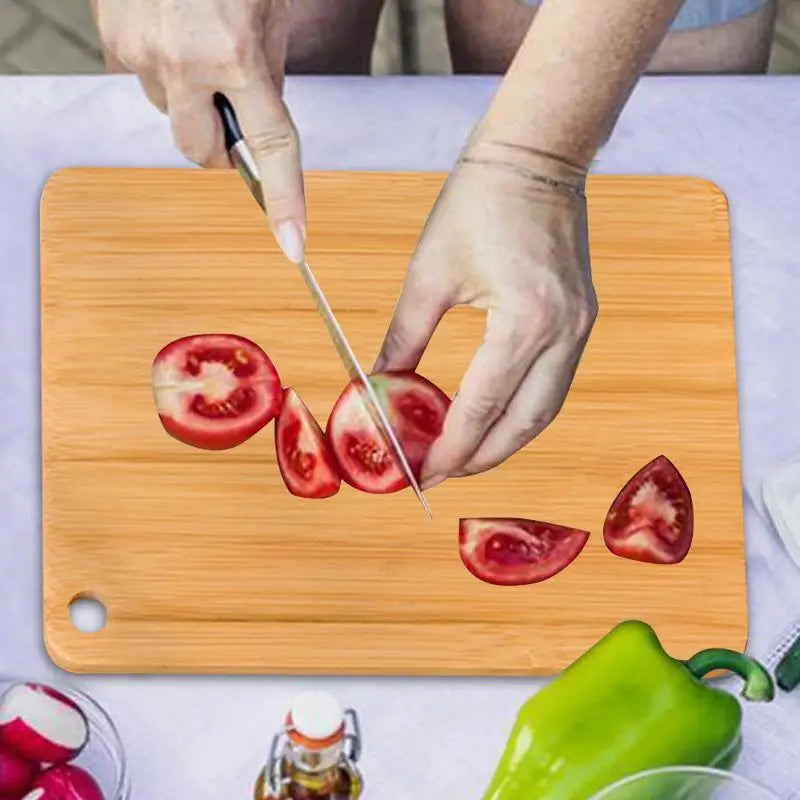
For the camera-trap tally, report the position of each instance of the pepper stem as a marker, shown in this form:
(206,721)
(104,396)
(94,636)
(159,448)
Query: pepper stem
(758,683)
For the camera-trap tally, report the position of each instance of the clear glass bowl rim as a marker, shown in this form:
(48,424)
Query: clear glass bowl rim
(92,708)
(709,772)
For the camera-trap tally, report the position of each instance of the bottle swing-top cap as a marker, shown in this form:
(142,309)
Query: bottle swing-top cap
(315,721)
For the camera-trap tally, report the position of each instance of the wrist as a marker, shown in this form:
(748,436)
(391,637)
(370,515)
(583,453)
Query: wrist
(547,169)
(528,125)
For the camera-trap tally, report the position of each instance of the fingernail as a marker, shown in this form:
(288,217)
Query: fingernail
(291,241)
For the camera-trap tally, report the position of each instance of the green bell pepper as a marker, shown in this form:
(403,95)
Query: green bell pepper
(623,707)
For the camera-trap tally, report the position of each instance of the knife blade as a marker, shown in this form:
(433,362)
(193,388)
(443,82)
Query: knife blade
(243,159)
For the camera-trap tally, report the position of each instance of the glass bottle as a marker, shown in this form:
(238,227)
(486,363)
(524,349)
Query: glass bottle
(314,756)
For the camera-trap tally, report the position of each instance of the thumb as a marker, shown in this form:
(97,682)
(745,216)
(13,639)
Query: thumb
(273,141)
(419,310)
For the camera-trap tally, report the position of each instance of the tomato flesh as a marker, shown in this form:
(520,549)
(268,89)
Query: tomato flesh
(416,410)
(304,457)
(652,518)
(515,552)
(214,391)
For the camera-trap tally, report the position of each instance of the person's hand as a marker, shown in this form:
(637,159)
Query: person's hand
(508,234)
(185,50)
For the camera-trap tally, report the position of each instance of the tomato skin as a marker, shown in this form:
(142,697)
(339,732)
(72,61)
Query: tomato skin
(416,409)
(215,391)
(305,460)
(652,518)
(507,551)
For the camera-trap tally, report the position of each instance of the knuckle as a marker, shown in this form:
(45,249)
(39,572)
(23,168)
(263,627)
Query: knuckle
(483,407)
(240,49)
(279,139)
(397,340)
(192,149)
(174,65)
(529,425)
(420,281)
(224,63)
(109,36)
(585,320)
(131,53)
(189,142)
(232,56)
(526,329)
(177,60)
(475,467)
(109,29)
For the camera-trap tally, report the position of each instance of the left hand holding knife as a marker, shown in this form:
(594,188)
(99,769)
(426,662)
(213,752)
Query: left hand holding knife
(186,50)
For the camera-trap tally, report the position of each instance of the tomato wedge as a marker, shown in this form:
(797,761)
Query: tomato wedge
(514,552)
(214,391)
(415,408)
(304,457)
(652,518)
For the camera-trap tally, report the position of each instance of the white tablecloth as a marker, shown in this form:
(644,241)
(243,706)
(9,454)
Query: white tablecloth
(425,739)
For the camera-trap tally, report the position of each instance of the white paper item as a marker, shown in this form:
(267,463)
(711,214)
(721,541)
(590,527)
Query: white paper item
(781,495)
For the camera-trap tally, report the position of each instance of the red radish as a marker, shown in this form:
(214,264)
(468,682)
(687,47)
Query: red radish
(416,409)
(65,782)
(515,552)
(652,518)
(304,457)
(214,391)
(41,724)
(16,774)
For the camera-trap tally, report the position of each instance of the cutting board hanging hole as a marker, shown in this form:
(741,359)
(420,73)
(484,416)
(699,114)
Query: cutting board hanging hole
(87,614)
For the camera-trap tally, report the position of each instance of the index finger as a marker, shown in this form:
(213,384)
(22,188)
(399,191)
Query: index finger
(273,141)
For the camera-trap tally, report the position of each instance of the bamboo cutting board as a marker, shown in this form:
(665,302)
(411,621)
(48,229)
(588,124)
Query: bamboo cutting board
(203,560)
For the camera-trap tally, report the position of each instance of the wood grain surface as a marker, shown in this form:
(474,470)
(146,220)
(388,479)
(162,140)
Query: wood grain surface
(203,560)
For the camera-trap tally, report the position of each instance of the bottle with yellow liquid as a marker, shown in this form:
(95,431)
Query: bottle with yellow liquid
(314,756)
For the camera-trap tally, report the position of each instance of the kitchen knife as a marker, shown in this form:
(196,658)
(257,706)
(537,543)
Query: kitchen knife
(245,163)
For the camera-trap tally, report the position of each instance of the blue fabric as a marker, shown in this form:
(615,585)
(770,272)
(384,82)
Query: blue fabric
(704,13)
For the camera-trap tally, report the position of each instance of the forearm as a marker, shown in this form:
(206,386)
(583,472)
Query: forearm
(573,75)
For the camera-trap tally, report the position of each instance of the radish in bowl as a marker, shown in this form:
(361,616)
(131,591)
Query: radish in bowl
(65,782)
(41,724)
(16,774)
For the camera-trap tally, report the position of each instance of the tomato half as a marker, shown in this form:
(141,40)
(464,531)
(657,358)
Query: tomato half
(415,408)
(515,552)
(304,457)
(652,518)
(214,391)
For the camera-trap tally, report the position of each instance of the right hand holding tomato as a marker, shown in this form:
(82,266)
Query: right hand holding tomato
(508,234)
(185,50)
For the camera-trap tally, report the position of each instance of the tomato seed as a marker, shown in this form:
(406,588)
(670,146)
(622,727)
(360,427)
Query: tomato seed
(236,360)
(235,404)
(506,549)
(368,454)
(303,464)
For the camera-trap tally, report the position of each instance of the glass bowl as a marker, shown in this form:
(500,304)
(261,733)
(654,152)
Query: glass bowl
(685,783)
(104,755)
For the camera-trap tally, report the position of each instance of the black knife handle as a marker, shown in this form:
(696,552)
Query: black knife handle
(233,133)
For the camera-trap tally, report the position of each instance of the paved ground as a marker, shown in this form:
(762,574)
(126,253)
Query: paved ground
(57,36)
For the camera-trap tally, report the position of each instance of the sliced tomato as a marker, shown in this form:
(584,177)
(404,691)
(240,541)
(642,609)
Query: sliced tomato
(214,391)
(652,518)
(304,456)
(415,408)
(515,552)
